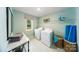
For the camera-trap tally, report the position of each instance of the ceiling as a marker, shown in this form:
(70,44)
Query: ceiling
(43,10)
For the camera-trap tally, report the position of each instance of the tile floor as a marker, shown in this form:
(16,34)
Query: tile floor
(38,46)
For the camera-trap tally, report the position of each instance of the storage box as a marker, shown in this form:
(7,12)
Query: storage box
(70,47)
(59,44)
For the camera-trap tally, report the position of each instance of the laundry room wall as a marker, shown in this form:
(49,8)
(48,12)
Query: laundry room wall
(54,22)
(19,23)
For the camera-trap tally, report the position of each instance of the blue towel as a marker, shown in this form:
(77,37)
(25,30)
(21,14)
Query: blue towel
(72,30)
(73,36)
(55,39)
(67,30)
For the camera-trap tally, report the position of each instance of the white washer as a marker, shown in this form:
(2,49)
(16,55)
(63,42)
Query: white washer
(47,37)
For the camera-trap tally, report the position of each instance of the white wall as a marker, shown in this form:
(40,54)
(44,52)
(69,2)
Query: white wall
(3,34)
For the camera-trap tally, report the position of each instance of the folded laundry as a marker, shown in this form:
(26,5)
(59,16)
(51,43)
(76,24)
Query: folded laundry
(15,37)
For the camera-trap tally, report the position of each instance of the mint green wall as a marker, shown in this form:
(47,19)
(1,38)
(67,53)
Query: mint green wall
(19,23)
(57,25)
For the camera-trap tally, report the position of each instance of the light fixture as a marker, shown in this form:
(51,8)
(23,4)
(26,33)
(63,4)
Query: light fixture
(38,9)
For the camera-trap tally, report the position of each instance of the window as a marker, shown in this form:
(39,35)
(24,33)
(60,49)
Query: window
(29,24)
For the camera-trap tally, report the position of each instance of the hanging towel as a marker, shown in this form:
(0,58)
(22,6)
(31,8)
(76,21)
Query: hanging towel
(71,33)
(55,39)
(67,29)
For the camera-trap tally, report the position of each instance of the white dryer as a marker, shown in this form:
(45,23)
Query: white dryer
(38,33)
